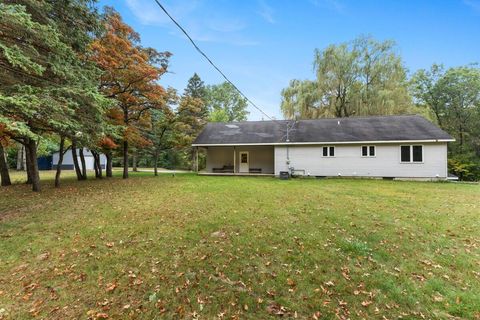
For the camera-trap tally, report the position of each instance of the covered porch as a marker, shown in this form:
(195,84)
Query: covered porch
(239,160)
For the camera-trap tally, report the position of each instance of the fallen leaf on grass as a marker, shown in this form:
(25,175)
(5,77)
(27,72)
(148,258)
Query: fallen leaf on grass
(366,303)
(43,256)
(346,273)
(218,234)
(276,309)
(110,287)
(437,298)
(419,277)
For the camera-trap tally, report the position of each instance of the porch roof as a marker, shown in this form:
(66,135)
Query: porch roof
(337,130)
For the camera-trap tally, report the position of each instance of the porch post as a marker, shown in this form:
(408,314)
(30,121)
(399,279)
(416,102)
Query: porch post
(196,159)
(234,160)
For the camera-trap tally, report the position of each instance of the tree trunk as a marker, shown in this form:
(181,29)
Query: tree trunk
(155,163)
(75,161)
(134,162)
(32,163)
(108,168)
(97,165)
(20,157)
(125,159)
(27,166)
(84,167)
(60,162)
(4,174)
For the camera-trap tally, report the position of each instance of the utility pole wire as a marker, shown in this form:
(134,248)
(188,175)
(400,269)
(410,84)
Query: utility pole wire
(210,61)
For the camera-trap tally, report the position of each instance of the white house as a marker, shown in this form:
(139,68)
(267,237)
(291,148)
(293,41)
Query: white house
(68,160)
(378,146)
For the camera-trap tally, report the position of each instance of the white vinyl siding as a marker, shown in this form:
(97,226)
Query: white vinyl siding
(348,161)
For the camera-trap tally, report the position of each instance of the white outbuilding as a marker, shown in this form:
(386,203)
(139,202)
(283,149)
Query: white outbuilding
(68,160)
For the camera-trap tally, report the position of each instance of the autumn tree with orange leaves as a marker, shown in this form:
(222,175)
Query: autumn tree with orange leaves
(130,76)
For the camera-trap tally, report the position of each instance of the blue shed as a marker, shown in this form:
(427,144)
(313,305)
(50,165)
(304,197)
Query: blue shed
(45,163)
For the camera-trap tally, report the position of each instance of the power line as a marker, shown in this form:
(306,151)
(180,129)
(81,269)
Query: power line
(210,61)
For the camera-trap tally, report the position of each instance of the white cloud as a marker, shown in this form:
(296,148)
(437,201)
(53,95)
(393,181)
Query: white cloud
(203,23)
(149,13)
(266,11)
(226,25)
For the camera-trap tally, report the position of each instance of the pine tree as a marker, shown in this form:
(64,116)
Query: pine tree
(45,84)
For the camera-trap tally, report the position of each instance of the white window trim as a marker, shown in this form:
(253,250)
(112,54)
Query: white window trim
(411,154)
(368,151)
(328,152)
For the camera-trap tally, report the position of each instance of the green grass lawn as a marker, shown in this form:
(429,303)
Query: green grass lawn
(231,247)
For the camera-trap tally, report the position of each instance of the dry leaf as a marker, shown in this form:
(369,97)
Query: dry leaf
(366,303)
(111,287)
(290,282)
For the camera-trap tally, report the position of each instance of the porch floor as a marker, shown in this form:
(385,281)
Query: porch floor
(244,174)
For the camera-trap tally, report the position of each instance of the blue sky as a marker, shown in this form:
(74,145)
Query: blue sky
(262,44)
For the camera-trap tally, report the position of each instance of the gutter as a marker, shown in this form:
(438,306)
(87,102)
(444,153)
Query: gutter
(320,143)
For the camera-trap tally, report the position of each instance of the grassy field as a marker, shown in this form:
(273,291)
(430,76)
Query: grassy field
(248,248)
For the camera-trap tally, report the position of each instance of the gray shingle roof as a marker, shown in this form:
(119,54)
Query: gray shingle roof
(353,129)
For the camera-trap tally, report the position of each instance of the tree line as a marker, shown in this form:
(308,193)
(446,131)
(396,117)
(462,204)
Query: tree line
(72,77)
(367,77)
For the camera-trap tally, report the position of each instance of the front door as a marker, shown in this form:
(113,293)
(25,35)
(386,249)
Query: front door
(244,167)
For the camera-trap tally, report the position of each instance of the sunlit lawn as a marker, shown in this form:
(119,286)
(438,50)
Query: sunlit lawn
(250,248)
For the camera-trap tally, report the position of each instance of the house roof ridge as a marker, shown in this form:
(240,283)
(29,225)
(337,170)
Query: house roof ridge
(323,119)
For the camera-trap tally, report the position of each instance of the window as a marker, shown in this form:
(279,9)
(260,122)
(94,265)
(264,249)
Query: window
(329,151)
(411,153)
(405,151)
(417,153)
(368,151)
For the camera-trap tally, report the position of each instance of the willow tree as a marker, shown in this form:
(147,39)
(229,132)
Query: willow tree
(360,77)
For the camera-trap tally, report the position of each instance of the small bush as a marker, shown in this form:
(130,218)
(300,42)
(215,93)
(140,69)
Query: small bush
(466,168)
